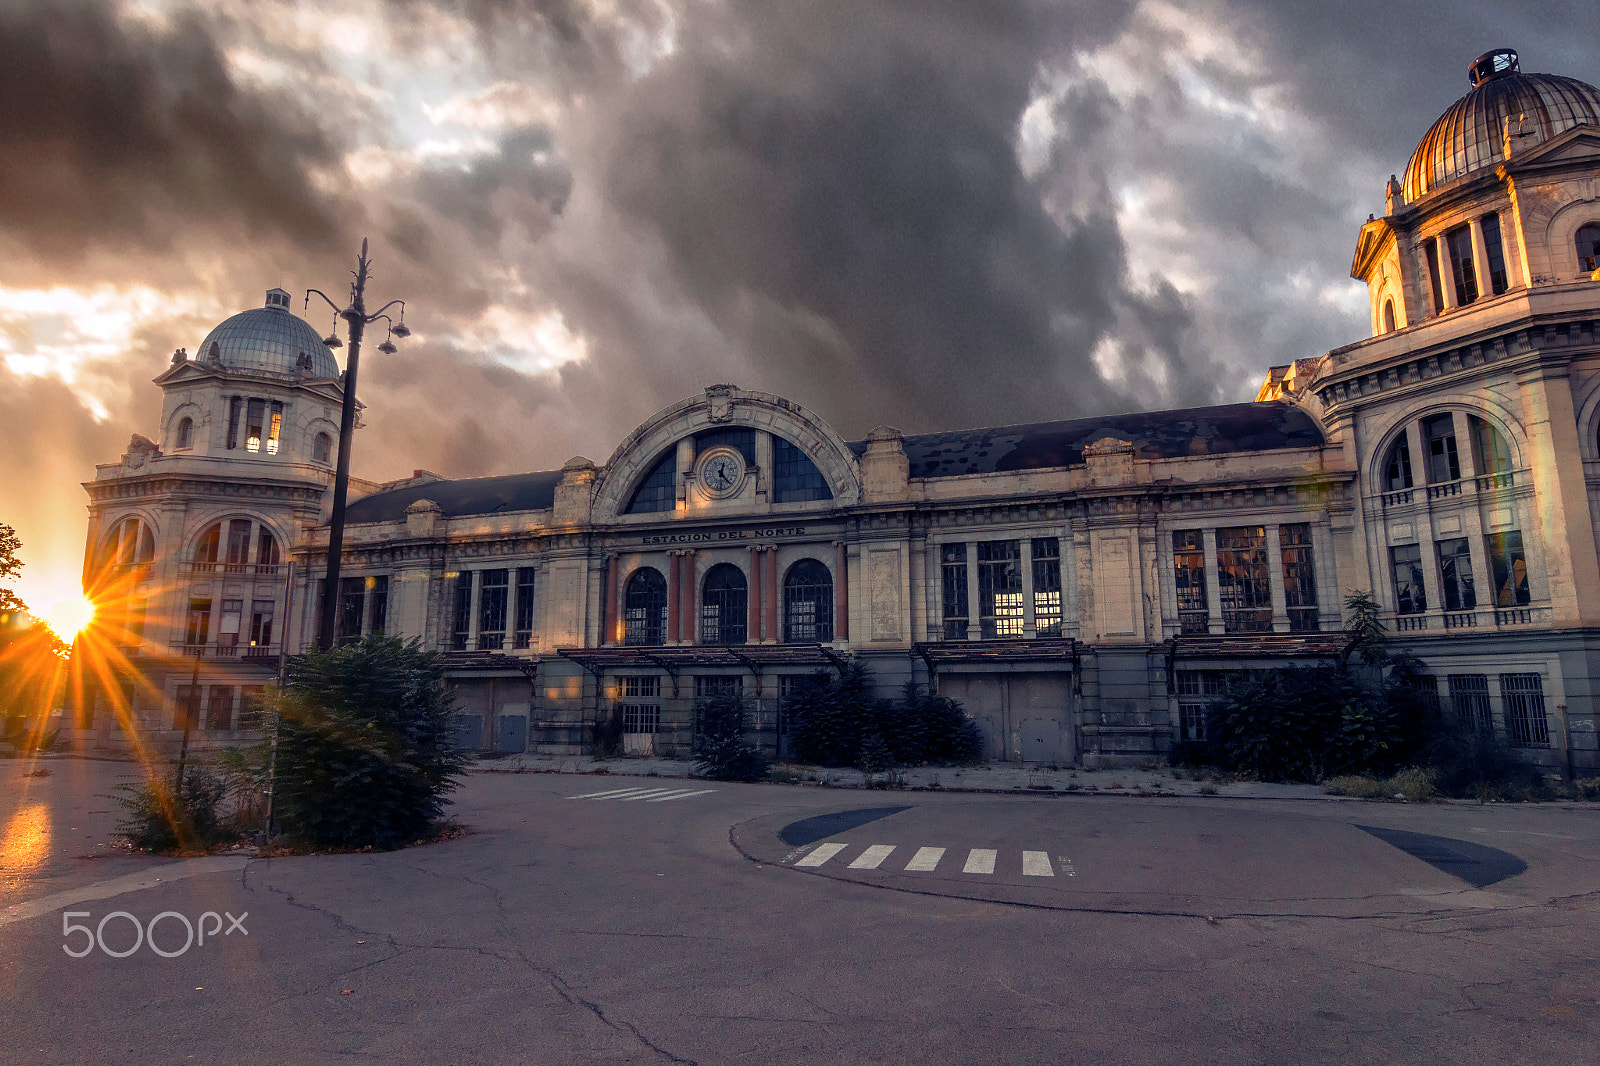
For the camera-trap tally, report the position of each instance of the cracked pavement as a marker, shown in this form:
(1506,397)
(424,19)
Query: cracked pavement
(561,931)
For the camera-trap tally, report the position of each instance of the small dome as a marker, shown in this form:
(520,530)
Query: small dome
(269,340)
(1471,135)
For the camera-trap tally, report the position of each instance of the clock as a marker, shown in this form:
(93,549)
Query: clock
(721,471)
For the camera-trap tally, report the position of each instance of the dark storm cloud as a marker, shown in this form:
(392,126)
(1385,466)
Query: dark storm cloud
(112,134)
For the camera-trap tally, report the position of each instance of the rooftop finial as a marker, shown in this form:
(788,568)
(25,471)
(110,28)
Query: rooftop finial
(1495,63)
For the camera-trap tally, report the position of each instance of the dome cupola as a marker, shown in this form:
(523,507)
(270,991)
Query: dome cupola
(270,339)
(1504,102)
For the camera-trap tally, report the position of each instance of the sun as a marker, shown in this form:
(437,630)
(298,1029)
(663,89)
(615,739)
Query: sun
(68,617)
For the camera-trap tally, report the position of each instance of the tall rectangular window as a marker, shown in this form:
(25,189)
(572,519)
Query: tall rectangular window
(1299,577)
(261,613)
(1409,594)
(524,630)
(461,623)
(1047,586)
(1455,575)
(234,403)
(641,705)
(254,424)
(219,708)
(1522,697)
(238,542)
(953,567)
(1189,575)
(1459,244)
(378,607)
(1439,437)
(1000,588)
(1469,701)
(1510,567)
(266,548)
(492,610)
(274,427)
(1431,249)
(1243,585)
(352,605)
(186,706)
(198,631)
(1494,249)
(228,623)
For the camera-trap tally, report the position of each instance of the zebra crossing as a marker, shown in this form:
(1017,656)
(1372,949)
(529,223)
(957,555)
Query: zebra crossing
(983,861)
(644,795)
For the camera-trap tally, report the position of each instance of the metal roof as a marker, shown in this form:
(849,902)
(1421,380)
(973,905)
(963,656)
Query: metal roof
(271,340)
(1238,427)
(457,497)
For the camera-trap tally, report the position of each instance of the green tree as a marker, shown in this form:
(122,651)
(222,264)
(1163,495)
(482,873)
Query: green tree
(722,750)
(10,570)
(366,752)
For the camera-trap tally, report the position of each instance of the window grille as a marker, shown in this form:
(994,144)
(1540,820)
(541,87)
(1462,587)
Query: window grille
(1243,585)
(1000,588)
(1469,700)
(461,629)
(1047,586)
(524,630)
(659,489)
(378,608)
(219,708)
(640,707)
(644,608)
(1527,724)
(492,609)
(724,606)
(795,477)
(808,603)
(1299,577)
(953,565)
(718,685)
(1189,571)
(1426,686)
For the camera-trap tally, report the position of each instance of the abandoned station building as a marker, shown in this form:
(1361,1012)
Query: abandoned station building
(1083,587)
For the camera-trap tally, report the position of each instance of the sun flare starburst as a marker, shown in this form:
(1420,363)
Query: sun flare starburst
(68,617)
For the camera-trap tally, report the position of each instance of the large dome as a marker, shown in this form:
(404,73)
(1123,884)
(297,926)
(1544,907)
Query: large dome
(1471,135)
(270,340)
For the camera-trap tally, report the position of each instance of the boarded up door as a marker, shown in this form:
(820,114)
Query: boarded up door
(1026,717)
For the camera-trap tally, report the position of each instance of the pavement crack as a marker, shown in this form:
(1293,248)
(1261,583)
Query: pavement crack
(563,990)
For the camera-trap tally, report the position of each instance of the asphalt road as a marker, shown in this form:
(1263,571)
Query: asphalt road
(760,923)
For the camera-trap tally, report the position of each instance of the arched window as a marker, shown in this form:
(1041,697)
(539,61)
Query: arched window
(795,476)
(1388,316)
(644,608)
(1588,241)
(659,490)
(321,448)
(266,548)
(808,603)
(1397,466)
(185,433)
(131,544)
(724,606)
(229,543)
(205,549)
(1490,452)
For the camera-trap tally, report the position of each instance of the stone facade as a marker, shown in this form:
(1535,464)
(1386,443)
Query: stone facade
(1083,586)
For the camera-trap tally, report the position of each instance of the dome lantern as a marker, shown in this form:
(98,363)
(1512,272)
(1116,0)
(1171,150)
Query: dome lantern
(1493,64)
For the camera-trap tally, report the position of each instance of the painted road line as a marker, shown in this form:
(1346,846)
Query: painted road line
(647,793)
(1036,864)
(117,886)
(979,861)
(602,795)
(925,859)
(822,854)
(681,795)
(872,858)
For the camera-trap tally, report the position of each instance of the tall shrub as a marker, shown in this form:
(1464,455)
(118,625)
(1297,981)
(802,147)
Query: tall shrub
(722,750)
(366,753)
(832,719)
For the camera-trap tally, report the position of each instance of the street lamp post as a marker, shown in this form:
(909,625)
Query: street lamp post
(357,319)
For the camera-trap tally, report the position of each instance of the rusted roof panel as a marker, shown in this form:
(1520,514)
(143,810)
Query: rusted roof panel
(1261,646)
(996,651)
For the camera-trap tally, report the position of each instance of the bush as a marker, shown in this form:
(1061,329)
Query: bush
(1414,783)
(832,719)
(366,755)
(161,817)
(722,751)
(605,736)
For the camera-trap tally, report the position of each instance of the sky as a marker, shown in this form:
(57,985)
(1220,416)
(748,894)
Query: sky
(929,215)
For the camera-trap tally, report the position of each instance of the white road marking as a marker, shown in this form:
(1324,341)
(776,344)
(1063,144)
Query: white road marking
(1036,864)
(116,886)
(681,795)
(925,859)
(613,792)
(647,793)
(872,858)
(821,855)
(980,861)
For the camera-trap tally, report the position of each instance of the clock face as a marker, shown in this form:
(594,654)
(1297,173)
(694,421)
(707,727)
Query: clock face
(721,471)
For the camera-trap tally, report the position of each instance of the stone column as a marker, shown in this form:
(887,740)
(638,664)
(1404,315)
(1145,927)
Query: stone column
(774,634)
(1280,597)
(691,598)
(754,604)
(674,597)
(1029,626)
(1555,465)
(1447,273)
(608,616)
(841,592)
(1208,539)
(470,576)
(1480,261)
(974,626)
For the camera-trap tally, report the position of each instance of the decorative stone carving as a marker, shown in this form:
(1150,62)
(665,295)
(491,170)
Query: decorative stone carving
(720,399)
